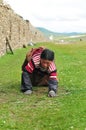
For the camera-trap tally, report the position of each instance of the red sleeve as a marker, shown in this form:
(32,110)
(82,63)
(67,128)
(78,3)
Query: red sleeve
(53,75)
(29,67)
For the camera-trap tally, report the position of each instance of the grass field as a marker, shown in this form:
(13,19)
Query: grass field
(67,111)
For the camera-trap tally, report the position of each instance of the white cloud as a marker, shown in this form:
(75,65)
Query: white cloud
(59,16)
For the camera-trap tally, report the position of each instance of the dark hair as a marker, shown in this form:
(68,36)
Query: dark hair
(47,55)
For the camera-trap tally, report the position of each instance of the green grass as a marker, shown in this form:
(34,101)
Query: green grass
(67,111)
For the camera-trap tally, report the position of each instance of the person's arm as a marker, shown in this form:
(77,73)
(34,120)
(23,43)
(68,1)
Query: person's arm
(53,83)
(26,84)
(30,66)
(26,81)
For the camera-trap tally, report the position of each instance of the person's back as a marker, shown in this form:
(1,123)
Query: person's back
(29,55)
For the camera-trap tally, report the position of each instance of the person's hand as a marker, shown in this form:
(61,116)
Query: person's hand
(51,94)
(28,92)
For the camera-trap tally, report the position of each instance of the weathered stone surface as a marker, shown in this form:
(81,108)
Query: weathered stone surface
(18,31)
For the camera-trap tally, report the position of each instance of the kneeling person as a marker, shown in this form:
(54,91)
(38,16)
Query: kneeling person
(40,70)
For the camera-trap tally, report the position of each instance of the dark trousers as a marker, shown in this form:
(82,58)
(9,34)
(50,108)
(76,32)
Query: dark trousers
(37,78)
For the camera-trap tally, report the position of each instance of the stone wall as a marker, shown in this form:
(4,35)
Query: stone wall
(18,31)
(1,1)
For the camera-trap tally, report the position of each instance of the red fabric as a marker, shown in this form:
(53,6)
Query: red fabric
(35,58)
(53,75)
(35,63)
(30,67)
(37,50)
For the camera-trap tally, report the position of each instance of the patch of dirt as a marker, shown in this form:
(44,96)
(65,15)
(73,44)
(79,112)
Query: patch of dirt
(44,90)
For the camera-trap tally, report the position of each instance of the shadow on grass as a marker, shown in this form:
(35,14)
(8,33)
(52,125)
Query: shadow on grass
(14,87)
(9,87)
(11,91)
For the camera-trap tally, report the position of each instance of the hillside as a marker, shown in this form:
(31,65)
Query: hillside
(48,32)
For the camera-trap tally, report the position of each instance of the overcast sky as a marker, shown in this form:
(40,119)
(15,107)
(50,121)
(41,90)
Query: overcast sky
(54,15)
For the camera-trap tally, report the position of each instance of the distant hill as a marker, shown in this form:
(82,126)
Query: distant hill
(48,32)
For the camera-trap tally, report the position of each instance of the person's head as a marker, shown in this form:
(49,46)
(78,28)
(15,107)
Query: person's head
(47,57)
